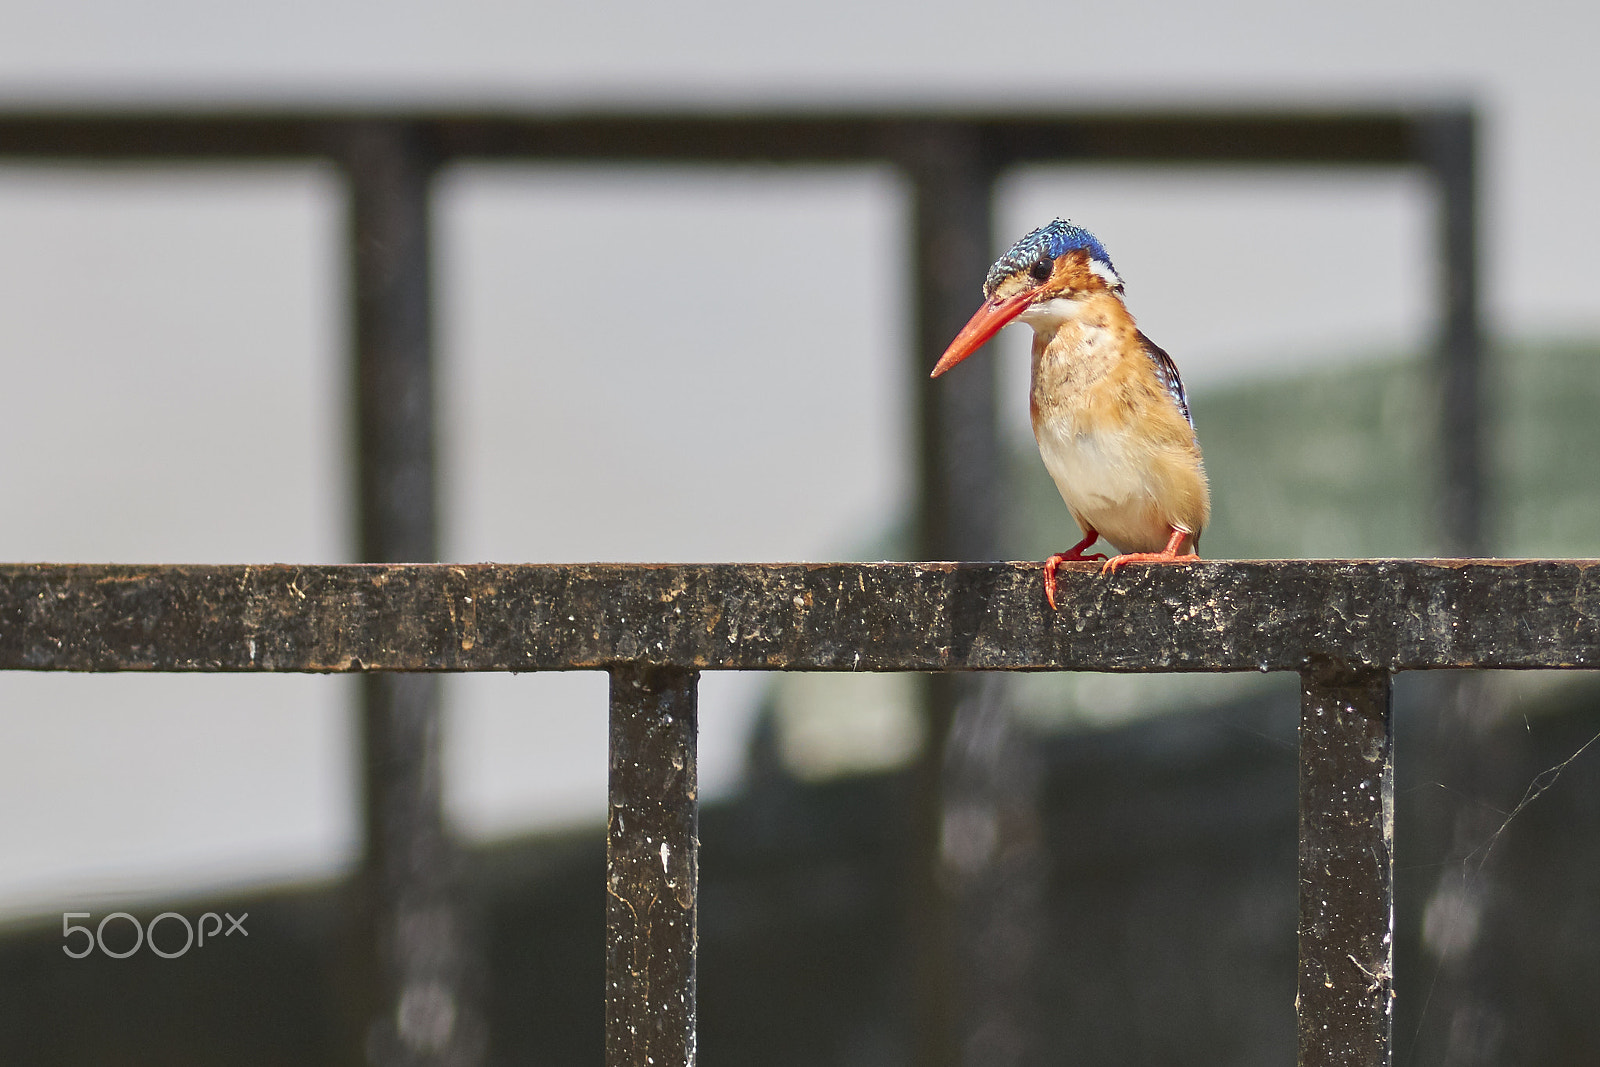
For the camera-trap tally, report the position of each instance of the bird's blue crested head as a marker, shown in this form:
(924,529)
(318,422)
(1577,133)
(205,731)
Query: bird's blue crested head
(1051,241)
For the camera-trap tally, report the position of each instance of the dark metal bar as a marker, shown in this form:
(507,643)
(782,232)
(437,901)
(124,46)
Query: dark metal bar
(965,983)
(1321,136)
(1468,992)
(389,167)
(1469,1005)
(958,509)
(1468,989)
(1215,615)
(957,435)
(418,1005)
(1447,144)
(652,869)
(996,867)
(1345,998)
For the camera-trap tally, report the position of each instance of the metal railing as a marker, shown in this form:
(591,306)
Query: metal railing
(925,618)
(1346,627)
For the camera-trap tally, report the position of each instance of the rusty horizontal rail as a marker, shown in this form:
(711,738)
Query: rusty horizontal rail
(1284,615)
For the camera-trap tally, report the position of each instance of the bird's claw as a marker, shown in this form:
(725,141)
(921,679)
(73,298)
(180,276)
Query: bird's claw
(1054,562)
(1113,563)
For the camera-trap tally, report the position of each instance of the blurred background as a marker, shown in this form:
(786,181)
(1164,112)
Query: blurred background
(710,364)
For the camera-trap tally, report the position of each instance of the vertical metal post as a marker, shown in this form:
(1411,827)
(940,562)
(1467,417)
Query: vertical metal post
(957,432)
(389,168)
(1447,144)
(417,1008)
(1467,1014)
(995,864)
(1345,994)
(652,869)
(958,508)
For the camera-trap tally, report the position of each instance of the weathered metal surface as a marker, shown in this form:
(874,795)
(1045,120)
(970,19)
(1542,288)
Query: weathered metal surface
(652,869)
(1345,998)
(1210,616)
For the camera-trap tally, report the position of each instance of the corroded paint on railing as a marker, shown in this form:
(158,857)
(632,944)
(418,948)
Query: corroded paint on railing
(1212,616)
(652,868)
(1345,993)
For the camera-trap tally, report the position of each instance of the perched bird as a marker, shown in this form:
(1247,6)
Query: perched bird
(1109,410)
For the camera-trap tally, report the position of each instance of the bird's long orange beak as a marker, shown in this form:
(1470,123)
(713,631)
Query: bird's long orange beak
(982,326)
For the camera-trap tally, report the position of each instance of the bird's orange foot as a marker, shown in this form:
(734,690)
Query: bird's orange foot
(1070,555)
(1166,555)
(1114,562)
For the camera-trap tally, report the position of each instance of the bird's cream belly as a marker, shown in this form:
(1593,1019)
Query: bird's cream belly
(1106,481)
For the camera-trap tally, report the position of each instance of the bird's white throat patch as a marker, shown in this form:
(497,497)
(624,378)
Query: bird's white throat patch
(1047,316)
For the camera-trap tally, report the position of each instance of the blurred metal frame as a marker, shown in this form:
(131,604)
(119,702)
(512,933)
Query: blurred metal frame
(952,159)
(418,958)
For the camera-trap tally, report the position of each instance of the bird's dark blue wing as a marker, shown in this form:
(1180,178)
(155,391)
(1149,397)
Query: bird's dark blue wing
(1167,371)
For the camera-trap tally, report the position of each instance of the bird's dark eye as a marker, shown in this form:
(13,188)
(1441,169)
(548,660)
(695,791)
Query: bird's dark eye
(1042,269)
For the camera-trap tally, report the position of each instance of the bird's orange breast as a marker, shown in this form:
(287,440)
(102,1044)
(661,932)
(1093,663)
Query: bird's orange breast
(1119,450)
